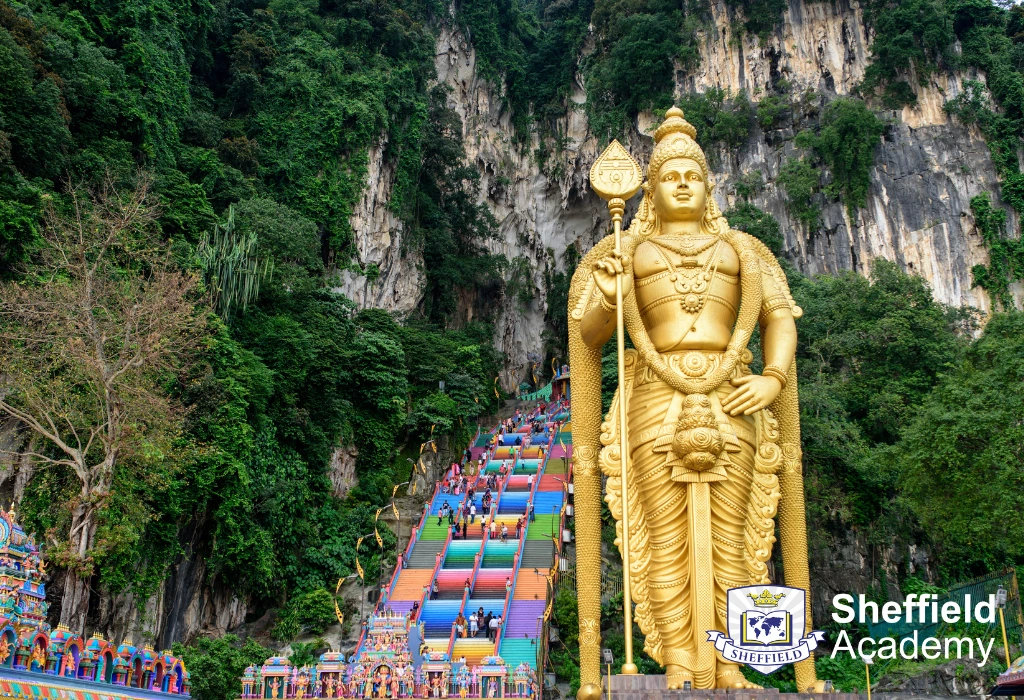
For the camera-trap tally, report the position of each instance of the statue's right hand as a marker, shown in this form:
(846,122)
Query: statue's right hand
(605,271)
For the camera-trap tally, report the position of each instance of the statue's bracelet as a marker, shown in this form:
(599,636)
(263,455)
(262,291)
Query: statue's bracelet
(605,305)
(776,372)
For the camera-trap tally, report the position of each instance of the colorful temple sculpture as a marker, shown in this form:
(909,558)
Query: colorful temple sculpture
(38,662)
(485,548)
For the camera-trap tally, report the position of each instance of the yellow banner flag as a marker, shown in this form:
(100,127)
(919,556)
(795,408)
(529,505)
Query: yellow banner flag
(497,395)
(337,613)
(395,508)
(380,542)
(394,491)
(376,515)
(359,567)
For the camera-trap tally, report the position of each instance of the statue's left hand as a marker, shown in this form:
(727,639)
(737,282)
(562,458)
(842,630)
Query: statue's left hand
(753,392)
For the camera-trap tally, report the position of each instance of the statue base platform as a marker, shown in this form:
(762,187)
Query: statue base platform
(652,687)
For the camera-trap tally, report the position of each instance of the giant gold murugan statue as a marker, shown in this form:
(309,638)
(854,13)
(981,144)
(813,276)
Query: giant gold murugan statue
(713,450)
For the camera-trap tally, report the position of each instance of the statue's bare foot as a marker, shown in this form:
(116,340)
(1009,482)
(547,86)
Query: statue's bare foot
(675,676)
(730,676)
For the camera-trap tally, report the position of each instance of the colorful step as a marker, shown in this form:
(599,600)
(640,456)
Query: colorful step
(461,554)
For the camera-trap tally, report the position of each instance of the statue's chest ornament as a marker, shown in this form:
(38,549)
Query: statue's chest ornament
(691,283)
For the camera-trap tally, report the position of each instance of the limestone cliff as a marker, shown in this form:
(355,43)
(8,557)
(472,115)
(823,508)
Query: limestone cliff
(917,214)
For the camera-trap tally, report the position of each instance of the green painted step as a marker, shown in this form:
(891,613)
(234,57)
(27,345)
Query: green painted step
(556,465)
(461,555)
(484,440)
(516,651)
(500,556)
(543,527)
(433,531)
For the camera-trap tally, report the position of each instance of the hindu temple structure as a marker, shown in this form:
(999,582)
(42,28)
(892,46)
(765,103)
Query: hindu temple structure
(418,642)
(39,662)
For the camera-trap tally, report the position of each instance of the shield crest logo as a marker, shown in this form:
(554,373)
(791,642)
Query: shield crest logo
(767,621)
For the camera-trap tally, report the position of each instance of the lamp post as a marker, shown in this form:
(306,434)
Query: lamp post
(1001,604)
(609,659)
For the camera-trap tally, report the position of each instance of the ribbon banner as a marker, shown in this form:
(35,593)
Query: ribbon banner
(380,542)
(765,659)
(359,567)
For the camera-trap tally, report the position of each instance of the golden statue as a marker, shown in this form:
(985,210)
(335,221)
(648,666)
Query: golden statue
(714,450)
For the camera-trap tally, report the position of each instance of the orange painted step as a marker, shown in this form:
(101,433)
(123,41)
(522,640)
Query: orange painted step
(410,584)
(531,586)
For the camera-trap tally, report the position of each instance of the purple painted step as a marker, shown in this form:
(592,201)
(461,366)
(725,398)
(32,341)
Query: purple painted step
(400,606)
(522,618)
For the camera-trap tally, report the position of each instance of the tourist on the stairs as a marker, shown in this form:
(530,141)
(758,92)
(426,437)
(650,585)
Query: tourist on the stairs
(472,512)
(460,626)
(464,525)
(451,514)
(519,528)
(487,623)
(440,513)
(492,628)
(473,625)
(532,516)
(504,533)
(529,482)
(433,590)
(508,585)
(455,531)
(494,529)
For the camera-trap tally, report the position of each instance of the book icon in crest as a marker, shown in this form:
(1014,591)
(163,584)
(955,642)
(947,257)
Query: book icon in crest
(770,628)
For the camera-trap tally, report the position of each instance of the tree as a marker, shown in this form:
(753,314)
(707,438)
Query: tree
(960,458)
(89,338)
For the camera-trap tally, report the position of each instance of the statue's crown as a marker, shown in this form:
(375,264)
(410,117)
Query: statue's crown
(766,599)
(674,124)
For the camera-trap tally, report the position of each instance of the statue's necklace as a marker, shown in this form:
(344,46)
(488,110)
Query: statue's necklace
(681,247)
(692,289)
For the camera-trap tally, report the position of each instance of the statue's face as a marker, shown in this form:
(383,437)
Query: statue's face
(680,193)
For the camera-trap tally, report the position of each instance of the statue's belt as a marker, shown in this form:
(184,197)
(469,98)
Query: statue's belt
(733,429)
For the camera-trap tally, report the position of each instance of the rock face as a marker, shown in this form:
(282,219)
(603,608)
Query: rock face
(926,169)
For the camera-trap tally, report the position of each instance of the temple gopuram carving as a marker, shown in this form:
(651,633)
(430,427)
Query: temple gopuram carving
(39,662)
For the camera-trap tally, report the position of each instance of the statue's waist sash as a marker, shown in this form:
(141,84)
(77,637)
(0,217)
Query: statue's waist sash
(693,364)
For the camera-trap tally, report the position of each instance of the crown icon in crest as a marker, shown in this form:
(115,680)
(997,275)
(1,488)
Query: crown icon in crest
(766,599)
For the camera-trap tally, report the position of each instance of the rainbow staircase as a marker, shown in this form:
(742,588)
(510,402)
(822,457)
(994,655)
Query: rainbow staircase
(507,578)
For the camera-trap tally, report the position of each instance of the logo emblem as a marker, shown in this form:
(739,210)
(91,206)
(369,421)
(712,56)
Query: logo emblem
(766,624)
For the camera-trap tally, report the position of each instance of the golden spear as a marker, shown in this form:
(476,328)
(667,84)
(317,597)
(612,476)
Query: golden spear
(616,177)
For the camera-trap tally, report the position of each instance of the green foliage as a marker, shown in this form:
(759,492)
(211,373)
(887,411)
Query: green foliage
(718,117)
(760,17)
(310,612)
(801,182)
(520,282)
(556,317)
(770,110)
(749,184)
(760,224)
(959,460)
(444,216)
(911,34)
(846,143)
(1006,255)
(632,67)
(232,267)
(216,664)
